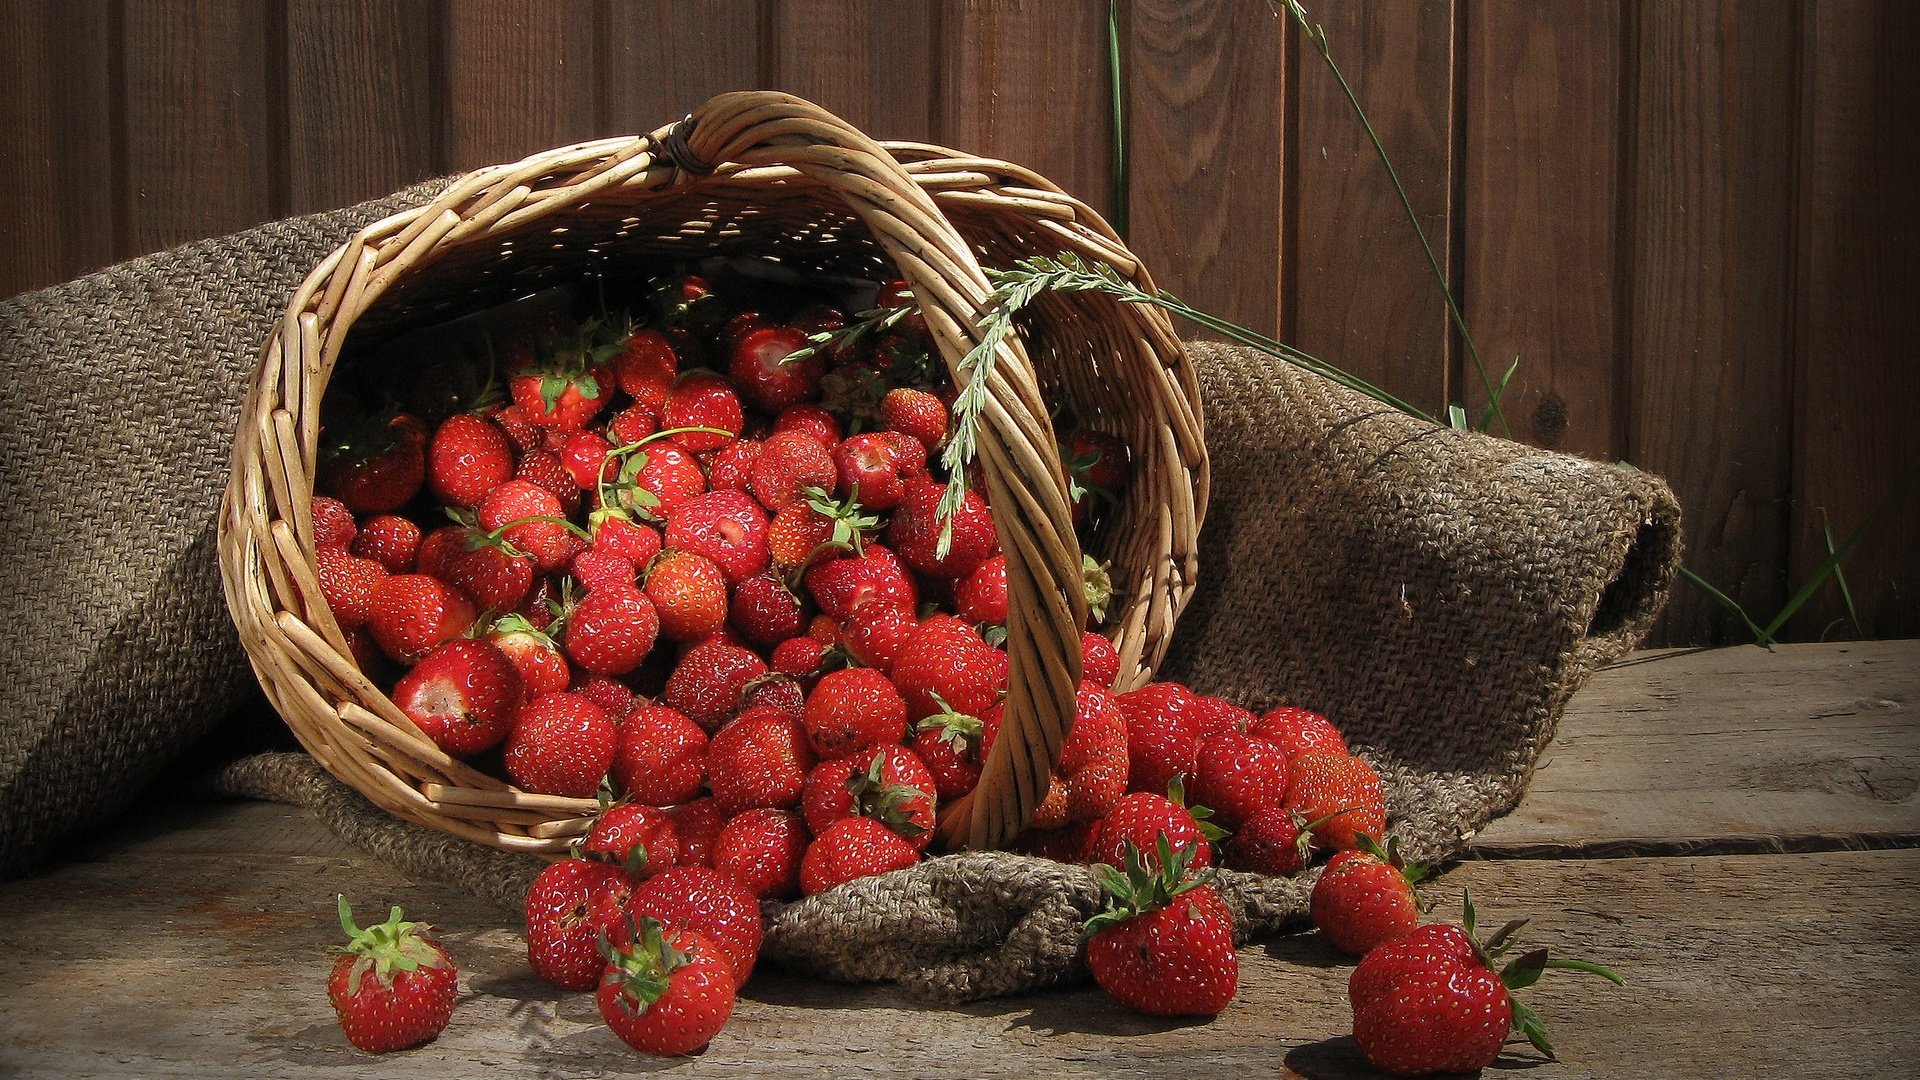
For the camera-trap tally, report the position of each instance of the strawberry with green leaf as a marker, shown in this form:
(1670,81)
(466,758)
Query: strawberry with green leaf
(566,379)
(1365,897)
(1165,943)
(393,986)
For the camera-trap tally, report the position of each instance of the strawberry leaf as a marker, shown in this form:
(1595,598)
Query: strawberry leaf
(1525,970)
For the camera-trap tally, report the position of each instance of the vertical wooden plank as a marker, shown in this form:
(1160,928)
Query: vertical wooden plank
(56,165)
(1362,294)
(1541,205)
(1028,82)
(1711,335)
(1859,310)
(1206,118)
(359,100)
(870,61)
(668,56)
(199,121)
(519,78)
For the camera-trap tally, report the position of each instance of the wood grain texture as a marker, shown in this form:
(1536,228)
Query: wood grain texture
(203,95)
(666,56)
(871,61)
(519,77)
(56,143)
(234,906)
(360,116)
(1738,749)
(1206,113)
(1859,325)
(1362,295)
(1542,160)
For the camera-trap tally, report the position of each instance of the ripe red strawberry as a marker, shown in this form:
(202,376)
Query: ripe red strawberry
(1099,660)
(699,822)
(594,568)
(724,526)
(436,546)
(853,848)
(563,382)
(702,899)
(571,904)
(710,681)
(841,585)
(1238,775)
(646,367)
(761,849)
(562,744)
(530,518)
(689,594)
(1432,1001)
(729,467)
(544,470)
(915,413)
(655,480)
(662,756)
(1215,716)
(765,611)
(797,533)
(760,368)
(1340,792)
(393,986)
(543,670)
(1091,776)
(614,697)
(668,993)
(333,525)
(468,457)
(584,455)
(377,465)
(702,400)
(1162,741)
(811,419)
(946,660)
(887,783)
(616,534)
(1140,818)
(1365,897)
(611,630)
(1097,470)
(916,529)
(789,464)
(800,657)
(349,584)
(463,694)
(488,569)
(1273,841)
(639,839)
(852,710)
(760,759)
(390,540)
(876,635)
(1164,946)
(877,467)
(412,613)
(524,434)
(954,746)
(981,597)
(1298,731)
(633,424)
(776,691)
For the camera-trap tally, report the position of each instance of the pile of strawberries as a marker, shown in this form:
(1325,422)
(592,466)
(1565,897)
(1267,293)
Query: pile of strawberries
(703,561)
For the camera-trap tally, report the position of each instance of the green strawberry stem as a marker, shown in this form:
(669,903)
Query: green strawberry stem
(630,467)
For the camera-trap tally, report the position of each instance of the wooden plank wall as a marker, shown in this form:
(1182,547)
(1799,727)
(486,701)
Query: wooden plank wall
(1694,222)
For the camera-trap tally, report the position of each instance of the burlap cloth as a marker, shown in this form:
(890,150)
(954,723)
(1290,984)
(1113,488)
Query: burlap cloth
(1440,594)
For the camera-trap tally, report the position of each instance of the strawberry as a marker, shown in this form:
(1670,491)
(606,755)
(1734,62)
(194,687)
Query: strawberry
(1432,1001)
(639,839)
(739,325)
(524,434)
(953,746)
(915,413)
(852,710)
(666,993)
(1097,470)
(561,744)
(689,593)
(1141,818)
(760,759)
(584,455)
(377,465)
(1164,945)
(945,661)
(662,756)
(611,630)
(333,525)
(646,368)
(917,526)
(761,849)
(765,611)
(412,613)
(531,519)
(788,465)
(981,597)
(436,546)
(1273,841)
(887,783)
(543,670)
(393,986)
(702,400)
(1238,775)
(699,822)
(724,526)
(1217,716)
(654,480)
(594,568)
(1341,793)
(876,634)
(800,657)
(710,681)
(633,424)
(390,540)
(463,694)
(1091,776)
(490,570)
(614,697)
(1099,660)
(813,420)
(570,905)
(1162,741)
(616,534)
(544,470)
(468,457)
(1298,731)
(731,467)
(702,899)
(564,381)
(1366,896)
(840,585)
(776,691)
(766,377)
(878,466)
(852,848)
(349,584)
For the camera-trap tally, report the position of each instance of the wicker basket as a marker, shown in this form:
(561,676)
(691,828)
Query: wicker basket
(775,176)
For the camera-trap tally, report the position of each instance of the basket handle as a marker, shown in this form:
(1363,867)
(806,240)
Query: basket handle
(1026,485)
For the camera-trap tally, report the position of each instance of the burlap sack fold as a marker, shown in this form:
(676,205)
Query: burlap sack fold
(1440,594)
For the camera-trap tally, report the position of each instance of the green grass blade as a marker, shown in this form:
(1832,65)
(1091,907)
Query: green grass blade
(1499,395)
(1832,563)
(1118,89)
(1725,601)
(1457,417)
(1840,578)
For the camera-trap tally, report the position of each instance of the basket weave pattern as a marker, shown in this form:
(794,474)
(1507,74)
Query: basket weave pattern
(777,177)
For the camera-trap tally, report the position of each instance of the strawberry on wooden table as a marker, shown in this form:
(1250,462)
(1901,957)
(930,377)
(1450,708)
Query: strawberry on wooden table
(665,992)
(394,986)
(1365,897)
(1165,944)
